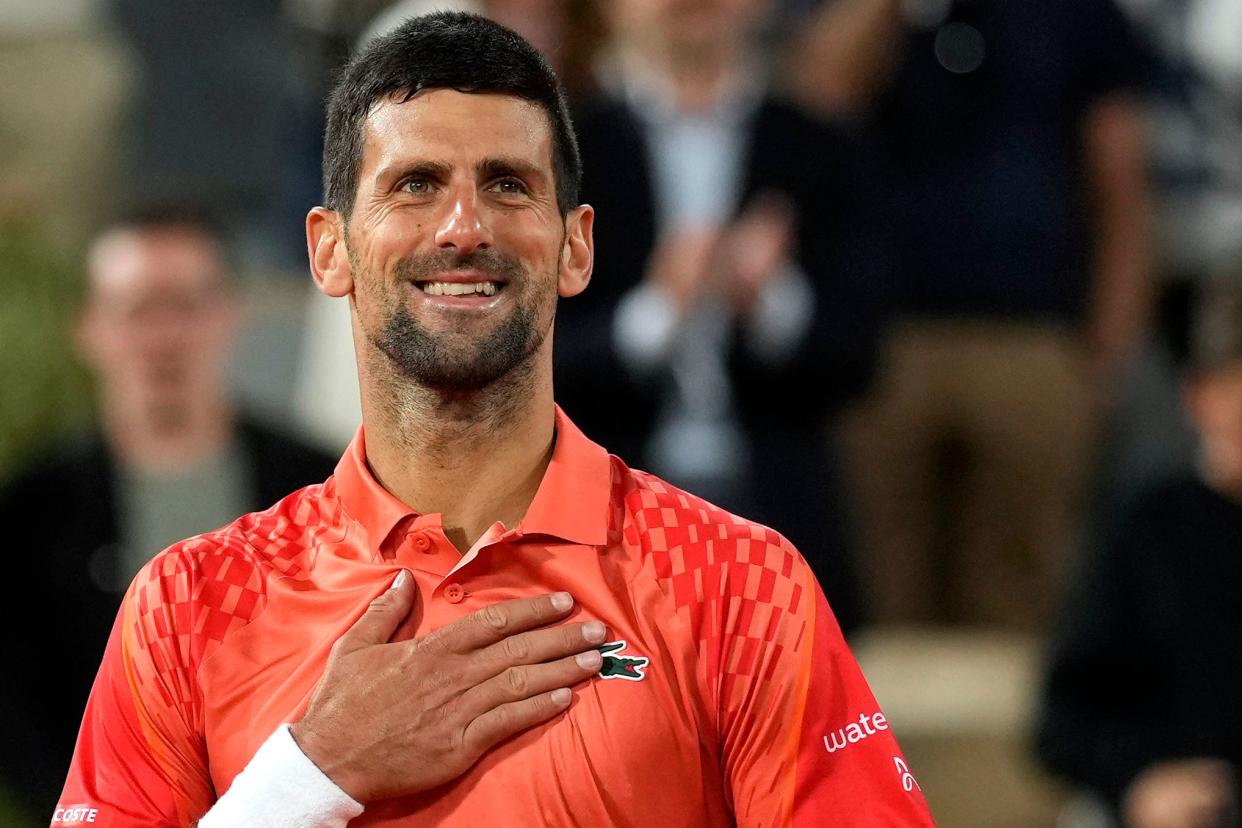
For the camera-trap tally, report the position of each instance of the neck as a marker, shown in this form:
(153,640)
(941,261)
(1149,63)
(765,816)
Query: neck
(473,457)
(160,438)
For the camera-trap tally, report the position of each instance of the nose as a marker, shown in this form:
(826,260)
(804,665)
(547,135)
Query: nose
(464,229)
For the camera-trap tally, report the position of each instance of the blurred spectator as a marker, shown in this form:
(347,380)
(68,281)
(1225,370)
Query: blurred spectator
(172,459)
(1195,123)
(1013,135)
(731,304)
(1141,704)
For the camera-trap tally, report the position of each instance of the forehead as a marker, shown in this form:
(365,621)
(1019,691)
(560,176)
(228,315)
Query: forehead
(456,127)
(126,261)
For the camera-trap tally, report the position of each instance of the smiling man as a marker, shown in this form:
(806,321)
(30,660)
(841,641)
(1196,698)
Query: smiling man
(481,617)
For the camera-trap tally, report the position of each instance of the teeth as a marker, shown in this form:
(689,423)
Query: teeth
(459,288)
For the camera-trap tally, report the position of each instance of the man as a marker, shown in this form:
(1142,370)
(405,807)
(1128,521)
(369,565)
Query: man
(738,303)
(171,458)
(1018,204)
(403,615)
(1140,704)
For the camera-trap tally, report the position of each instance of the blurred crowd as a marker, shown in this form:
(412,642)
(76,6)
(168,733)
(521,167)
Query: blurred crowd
(947,291)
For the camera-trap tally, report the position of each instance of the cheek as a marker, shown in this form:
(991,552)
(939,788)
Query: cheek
(373,292)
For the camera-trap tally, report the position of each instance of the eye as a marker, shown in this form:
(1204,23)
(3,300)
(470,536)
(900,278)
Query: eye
(509,186)
(417,186)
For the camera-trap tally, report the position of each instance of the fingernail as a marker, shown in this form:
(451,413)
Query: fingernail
(403,577)
(591,660)
(562,697)
(562,601)
(593,631)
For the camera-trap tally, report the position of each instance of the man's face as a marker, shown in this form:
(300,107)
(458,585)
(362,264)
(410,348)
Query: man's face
(456,245)
(158,321)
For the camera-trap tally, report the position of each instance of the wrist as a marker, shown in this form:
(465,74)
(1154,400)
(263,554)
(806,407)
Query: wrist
(326,760)
(280,786)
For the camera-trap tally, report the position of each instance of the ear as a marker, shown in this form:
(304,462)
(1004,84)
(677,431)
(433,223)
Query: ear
(325,246)
(578,254)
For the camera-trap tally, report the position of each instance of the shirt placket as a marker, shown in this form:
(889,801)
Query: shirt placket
(426,548)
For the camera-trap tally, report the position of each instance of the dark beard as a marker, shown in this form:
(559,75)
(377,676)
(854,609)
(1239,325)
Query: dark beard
(424,360)
(427,361)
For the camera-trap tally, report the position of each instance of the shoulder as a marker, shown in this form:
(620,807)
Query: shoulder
(742,593)
(202,589)
(701,553)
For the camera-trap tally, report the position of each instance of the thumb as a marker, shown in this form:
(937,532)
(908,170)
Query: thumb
(382,617)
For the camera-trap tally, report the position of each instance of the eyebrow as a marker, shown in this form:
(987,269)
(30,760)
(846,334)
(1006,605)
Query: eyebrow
(487,168)
(508,165)
(398,171)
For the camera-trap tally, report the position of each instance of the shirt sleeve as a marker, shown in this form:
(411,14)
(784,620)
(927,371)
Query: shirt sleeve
(804,742)
(140,759)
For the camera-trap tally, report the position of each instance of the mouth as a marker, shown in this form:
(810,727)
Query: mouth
(484,288)
(462,287)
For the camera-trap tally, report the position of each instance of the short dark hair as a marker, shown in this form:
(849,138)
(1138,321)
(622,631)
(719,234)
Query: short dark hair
(443,50)
(160,215)
(163,215)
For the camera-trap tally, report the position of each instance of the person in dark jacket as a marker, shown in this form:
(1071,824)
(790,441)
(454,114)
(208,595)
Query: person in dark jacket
(1141,700)
(740,300)
(171,458)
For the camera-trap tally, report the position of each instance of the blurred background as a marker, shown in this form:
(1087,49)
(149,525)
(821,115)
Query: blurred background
(947,291)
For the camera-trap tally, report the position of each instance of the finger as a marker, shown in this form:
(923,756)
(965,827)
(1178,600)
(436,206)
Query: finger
(382,617)
(539,646)
(523,682)
(500,723)
(498,621)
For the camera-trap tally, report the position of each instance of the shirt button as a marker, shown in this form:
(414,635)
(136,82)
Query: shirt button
(422,543)
(454,593)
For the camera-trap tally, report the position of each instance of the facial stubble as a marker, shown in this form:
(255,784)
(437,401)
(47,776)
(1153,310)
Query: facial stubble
(452,363)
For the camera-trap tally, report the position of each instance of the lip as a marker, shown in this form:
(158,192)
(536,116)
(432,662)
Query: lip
(474,301)
(459,277)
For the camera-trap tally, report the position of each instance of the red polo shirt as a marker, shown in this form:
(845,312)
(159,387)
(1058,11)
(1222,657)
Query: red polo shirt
(728,695)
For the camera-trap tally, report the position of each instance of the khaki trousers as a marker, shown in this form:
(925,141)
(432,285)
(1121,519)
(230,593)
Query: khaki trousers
(967,467)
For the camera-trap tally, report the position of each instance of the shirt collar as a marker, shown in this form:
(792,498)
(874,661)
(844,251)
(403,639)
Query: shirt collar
(571,503)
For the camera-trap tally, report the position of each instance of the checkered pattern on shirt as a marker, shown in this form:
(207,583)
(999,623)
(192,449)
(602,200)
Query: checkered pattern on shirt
(190,597)
(737,583)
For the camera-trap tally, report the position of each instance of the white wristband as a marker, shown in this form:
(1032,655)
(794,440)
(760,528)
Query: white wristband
(281,788)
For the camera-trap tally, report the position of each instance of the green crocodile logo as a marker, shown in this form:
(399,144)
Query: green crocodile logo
(629,668)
